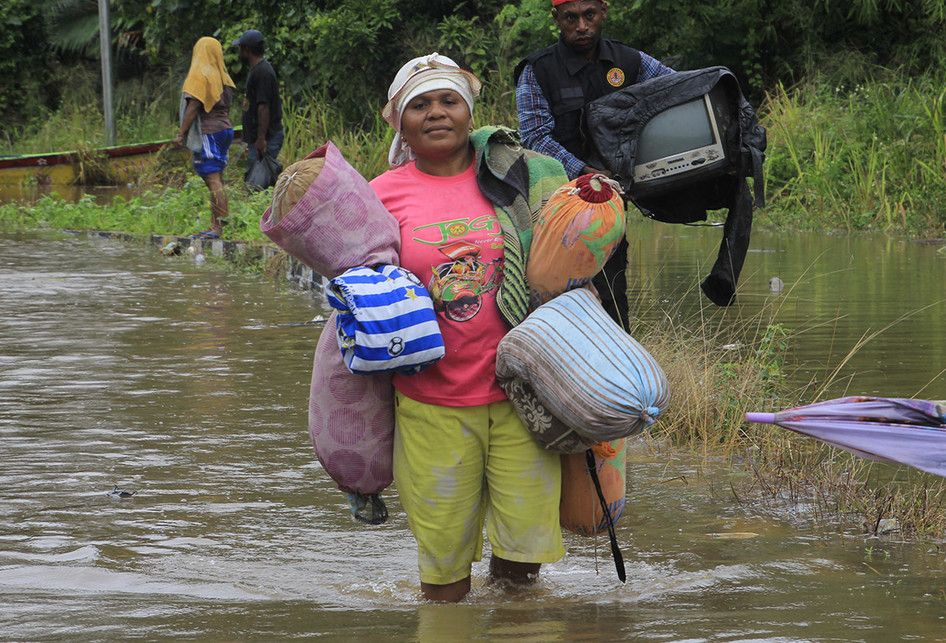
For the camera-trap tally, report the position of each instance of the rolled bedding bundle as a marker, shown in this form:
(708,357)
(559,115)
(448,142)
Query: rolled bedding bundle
(351,423)
(576,378)
(386,321)
(335,221)
(580,383)
(577,232)
(326,215)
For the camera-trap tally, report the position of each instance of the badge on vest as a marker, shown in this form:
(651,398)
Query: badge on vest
(616,77)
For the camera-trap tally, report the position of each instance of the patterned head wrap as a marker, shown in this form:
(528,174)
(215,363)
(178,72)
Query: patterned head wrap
(419,76)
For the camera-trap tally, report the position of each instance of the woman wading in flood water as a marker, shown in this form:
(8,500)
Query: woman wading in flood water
(462,457)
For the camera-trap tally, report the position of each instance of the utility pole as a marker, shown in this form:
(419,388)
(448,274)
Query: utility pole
(105,42)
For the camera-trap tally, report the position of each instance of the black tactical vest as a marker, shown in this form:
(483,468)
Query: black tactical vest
(569,82)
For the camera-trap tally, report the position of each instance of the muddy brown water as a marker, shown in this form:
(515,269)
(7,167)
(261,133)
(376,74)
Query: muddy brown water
(187,385)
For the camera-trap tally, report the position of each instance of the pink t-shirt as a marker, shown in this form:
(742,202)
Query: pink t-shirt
(451,239)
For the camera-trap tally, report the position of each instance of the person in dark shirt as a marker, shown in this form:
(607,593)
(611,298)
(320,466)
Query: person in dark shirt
(262,107)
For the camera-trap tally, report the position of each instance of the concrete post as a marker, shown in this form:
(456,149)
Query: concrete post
(105,44)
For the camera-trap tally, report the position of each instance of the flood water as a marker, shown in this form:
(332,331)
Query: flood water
(837,290)
(188,385)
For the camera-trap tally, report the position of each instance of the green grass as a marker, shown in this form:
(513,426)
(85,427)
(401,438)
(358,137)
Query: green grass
(868,157)
(145,108)
(310,123)
(863,157)
(174,211)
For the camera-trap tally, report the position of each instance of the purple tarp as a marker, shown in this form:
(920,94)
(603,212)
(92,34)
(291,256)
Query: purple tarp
(911,432)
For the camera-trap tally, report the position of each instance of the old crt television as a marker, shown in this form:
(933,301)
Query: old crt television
(689,138)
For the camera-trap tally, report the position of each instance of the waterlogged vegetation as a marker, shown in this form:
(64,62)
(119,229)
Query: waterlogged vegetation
(854,157)
(718,371)
(175,211)
(867,156)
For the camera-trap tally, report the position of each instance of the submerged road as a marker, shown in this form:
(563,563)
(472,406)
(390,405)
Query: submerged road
(187,386)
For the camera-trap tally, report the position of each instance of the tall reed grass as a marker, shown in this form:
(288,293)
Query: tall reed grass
(145,108)
(867,157)
(864,157)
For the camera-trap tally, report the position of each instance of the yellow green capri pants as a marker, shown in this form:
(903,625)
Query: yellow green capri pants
(458,467)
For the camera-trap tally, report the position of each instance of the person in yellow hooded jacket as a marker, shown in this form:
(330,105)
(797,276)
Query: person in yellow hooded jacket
(206,97)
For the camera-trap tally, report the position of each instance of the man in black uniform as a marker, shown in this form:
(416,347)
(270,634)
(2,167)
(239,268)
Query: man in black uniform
(552,88)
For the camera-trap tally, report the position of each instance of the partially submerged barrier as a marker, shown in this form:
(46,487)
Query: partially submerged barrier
(277,263)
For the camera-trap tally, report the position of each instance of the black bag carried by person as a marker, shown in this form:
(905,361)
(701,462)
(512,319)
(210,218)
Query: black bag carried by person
(263,173)
(681,145)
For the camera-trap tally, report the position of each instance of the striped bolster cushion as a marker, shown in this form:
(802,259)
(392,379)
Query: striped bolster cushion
(576,378)
(386,321)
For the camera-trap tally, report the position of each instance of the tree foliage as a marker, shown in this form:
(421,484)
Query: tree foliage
(348,50)
(23,63)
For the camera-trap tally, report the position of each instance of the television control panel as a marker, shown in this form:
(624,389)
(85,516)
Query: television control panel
(676,164)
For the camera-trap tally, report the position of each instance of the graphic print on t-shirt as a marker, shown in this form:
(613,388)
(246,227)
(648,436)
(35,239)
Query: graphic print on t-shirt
(459,284)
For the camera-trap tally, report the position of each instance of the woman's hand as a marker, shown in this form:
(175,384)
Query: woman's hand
(179,140)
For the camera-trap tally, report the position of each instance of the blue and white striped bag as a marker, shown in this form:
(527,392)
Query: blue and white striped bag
(386,321)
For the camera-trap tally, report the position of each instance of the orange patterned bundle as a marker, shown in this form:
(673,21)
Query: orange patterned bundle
(577,232)
(580,511)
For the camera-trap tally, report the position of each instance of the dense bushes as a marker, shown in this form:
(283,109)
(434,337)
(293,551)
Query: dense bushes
(24,67)
(349,49)
(767,41)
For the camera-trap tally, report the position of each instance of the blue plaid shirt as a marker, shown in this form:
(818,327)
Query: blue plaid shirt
(536,121)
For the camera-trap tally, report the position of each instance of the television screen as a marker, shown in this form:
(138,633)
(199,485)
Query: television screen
(679,129)
(681,140)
